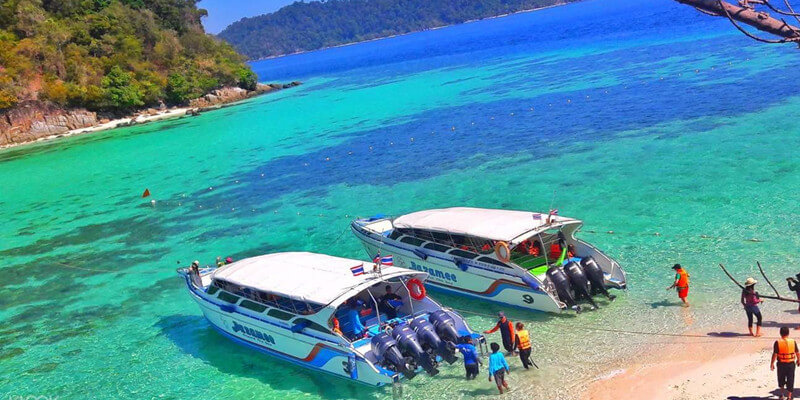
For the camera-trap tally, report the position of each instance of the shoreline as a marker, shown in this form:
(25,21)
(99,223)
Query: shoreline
(412,32)
(176,112)
(702,365)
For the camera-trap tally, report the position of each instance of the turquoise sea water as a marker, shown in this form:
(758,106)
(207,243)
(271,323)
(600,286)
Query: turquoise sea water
(643,117)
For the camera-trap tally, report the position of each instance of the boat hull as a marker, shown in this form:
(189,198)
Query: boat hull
(308,351)
(480,282)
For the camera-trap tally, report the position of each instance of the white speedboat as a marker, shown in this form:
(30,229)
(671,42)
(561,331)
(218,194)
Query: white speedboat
(362,322)
(525,259)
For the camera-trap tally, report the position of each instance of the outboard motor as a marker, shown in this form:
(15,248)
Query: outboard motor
(558,277)
(409,345)
(596,277)
(445,325)
(431,341)
(580,283)
(388,354)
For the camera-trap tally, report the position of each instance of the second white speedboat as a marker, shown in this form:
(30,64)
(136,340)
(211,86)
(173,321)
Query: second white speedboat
(524,259)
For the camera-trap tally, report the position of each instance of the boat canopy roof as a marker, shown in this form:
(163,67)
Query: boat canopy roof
(309,277)
(505,225)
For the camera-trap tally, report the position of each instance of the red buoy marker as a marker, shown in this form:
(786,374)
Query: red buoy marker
(146,193)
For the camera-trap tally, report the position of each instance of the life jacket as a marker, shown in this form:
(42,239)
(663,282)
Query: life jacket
(524,339)
(486,247)
(555,250)
(336,328)
(534,250)
(683,279)
(786,350)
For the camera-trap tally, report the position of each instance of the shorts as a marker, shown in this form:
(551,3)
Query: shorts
(786,375)
(472,370)
(683,292)
(500,378)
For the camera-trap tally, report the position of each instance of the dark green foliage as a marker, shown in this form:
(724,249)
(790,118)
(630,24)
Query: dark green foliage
(317,24)
(111,55)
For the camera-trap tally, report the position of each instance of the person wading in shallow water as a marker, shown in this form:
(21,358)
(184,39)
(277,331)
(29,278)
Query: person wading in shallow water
(750,301)
(506,331)
(794,286)
(785,352)
(681,284)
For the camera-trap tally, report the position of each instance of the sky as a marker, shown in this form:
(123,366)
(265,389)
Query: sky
(222,13)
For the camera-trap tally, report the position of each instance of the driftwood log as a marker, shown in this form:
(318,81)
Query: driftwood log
(745,12)
(778,297)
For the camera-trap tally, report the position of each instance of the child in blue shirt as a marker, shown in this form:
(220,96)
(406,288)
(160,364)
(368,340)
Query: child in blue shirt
(498,367)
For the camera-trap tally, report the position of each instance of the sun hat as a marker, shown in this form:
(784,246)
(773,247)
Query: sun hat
(676,266)
(750,282)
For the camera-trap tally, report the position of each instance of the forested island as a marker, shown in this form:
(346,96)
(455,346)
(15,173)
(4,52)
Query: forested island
(318,24)
(111,55)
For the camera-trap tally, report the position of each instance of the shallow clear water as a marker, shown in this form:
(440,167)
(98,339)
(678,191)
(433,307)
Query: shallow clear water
(639,123)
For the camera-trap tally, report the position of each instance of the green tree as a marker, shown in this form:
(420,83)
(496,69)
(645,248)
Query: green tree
(121,91)
(178,91)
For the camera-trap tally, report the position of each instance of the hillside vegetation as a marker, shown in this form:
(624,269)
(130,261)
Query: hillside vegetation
(111,55)
(318,24)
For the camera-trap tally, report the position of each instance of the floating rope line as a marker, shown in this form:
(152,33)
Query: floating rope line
(604,329)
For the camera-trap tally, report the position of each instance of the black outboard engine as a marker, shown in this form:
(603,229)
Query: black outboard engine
(596,277)
(389,355)
(558,277)
(409,345)
(580,283)
(431,341)
(445,325)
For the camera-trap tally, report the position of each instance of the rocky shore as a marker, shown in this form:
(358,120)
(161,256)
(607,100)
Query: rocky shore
(37,120)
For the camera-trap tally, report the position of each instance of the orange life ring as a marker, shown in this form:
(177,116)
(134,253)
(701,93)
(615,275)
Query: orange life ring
(416,289)
(502,251)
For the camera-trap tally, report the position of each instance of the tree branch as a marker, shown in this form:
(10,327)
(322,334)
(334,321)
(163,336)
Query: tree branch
(759,20)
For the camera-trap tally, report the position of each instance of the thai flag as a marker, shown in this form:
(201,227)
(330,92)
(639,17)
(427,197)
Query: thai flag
(554,212)
(537,217)
(357,270)
(388,260)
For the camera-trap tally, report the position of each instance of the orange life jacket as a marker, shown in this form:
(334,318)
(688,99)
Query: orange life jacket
(786,350)
(683,279)
(336,328)
(555,250)
(524,339)
(534,250)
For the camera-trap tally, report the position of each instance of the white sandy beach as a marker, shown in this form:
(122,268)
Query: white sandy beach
(706,366)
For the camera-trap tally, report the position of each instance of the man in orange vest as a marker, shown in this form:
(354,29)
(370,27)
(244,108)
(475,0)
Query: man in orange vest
(681,283)
(785,352)
(523,343)
(506,332)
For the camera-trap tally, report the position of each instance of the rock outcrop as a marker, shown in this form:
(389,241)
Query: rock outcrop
(36,119)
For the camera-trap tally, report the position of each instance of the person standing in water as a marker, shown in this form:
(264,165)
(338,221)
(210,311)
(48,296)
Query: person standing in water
(785,352)
(506,331)
(523,344)
(794,286)
(681,284)
(498,368)
(750,300)
(471,359)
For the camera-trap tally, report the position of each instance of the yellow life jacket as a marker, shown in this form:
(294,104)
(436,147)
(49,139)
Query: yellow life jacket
(524,339)
(786,350)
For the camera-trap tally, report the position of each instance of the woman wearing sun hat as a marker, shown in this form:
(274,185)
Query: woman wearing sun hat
(750,301)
